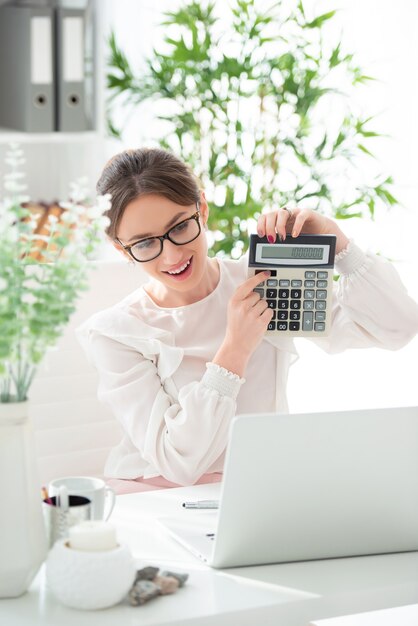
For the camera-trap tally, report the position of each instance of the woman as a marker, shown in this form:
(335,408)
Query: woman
(184,353)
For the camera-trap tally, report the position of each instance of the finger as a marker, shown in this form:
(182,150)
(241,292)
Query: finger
(261,226)
(253,298)
(267,315)
(284,221)
(260,307)
(247,287)
(271,219)
(299,221)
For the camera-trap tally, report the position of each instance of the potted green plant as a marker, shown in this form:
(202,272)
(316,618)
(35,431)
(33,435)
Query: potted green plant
(41,276)
(259,102)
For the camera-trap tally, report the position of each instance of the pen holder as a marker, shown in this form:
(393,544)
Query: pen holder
(89,580)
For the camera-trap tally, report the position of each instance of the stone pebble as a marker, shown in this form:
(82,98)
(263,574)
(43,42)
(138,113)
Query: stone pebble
(149,584)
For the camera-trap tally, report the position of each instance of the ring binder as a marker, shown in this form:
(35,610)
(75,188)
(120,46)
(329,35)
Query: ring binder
(71,113)
(26,68)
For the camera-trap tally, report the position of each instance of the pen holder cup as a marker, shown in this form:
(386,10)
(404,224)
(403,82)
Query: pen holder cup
(58,520)
(89,580)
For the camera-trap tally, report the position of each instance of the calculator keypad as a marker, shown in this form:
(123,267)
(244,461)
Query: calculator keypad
(299,303)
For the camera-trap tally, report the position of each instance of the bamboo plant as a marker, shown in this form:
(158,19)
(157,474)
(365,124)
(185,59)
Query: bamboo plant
(247,100)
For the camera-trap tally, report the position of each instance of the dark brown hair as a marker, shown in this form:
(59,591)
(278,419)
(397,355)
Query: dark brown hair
(135,173)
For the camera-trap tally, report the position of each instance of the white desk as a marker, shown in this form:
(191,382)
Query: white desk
(293,594)
(399,616)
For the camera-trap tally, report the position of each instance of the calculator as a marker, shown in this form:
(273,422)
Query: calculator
(299,289)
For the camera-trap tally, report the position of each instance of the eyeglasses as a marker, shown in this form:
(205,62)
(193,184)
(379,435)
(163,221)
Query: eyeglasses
(180,234)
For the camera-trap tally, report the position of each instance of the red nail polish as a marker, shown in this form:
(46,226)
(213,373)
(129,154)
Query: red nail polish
(270,239)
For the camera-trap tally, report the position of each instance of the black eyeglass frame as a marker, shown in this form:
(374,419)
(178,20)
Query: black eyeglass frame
(166,235)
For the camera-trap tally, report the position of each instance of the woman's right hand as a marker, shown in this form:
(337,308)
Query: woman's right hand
(247,320)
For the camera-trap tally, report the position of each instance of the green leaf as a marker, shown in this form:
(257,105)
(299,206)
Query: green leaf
(319,21)
(335,59)
(365,150)
(386,196)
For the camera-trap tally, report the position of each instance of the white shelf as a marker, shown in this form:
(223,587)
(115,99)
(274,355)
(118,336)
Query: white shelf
(9,136)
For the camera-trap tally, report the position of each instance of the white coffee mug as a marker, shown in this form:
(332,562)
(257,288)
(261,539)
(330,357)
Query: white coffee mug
(92,488)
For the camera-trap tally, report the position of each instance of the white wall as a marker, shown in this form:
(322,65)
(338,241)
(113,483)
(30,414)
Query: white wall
(382,33)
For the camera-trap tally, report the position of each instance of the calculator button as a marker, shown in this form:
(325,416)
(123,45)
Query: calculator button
(273,272)
(271,304)
(259,291)
(284,283)
(296,293)
(283,304)
(307,320)
(320,305)
(308,305)
(309,294)
(294,315)
(271,282)
(323,275)
(310,274)
(259,271)
(294,325)
(320,316)
(282,315)
(271,326)
(295,304)
(283,293)
(274,315)
(271,293)
(296,283)
(308,284)
(281,325)
(322,284)
(320,326)
(321,294)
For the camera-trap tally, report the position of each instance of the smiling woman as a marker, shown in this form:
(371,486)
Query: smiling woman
(172,356)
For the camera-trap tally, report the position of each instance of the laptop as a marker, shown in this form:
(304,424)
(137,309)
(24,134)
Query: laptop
(311,486)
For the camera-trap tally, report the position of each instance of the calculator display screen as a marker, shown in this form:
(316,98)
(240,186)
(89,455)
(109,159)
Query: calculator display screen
(292,254)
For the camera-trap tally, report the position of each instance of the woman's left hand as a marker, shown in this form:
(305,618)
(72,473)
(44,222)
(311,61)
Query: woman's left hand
(295,221)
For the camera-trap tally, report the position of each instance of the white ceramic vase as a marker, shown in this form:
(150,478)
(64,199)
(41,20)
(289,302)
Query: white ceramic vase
(23,545)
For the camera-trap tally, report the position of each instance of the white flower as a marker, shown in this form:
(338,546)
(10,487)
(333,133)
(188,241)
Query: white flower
(15,148)
(28,298)
(93,212)
(104,202)
(67,205)
(3,284)
(103,222)
(79,190)
(14,162)
(13,186)
(70,249)
(79,209)
(12,235)
(68,217)
(11,201)
(52,219)
(14,175)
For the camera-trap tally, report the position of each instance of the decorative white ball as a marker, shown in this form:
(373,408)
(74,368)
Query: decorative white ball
(89,580)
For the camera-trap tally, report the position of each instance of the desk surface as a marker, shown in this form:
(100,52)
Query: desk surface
(291,594)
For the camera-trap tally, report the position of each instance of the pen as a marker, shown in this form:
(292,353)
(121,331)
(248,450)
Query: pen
(201,504)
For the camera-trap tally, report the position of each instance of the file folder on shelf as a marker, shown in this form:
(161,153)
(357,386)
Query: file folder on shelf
(71,105)
(26,68)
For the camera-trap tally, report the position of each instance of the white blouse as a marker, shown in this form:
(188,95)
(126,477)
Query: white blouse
(175,406)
